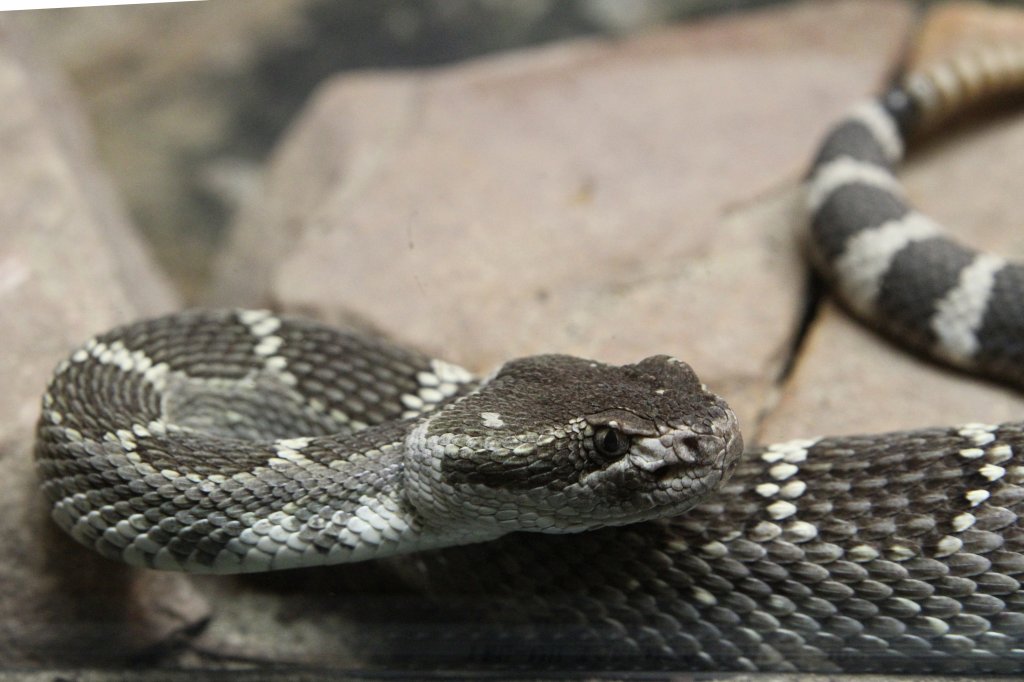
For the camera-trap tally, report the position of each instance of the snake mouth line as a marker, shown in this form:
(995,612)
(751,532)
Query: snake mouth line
(671,472)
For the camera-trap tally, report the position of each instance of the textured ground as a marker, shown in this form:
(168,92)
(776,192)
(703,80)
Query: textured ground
(611,198)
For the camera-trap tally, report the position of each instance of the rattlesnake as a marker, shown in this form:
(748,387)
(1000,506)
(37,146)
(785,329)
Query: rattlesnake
(234,441)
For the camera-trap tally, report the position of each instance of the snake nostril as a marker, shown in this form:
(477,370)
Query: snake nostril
(692,443)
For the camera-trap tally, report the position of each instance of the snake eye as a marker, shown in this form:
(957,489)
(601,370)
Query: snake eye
(610,442)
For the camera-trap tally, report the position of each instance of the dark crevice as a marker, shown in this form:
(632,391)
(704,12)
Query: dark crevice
(814,293)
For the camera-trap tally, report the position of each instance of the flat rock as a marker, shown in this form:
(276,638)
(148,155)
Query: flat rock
(70,266)
(611,200)
(162,84)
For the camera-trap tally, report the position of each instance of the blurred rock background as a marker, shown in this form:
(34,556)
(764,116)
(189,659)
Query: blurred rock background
(188,99)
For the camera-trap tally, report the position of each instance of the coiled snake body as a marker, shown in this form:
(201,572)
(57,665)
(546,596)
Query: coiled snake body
(238,441)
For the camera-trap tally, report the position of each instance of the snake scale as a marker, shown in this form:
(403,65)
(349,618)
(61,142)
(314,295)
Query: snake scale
(240,441)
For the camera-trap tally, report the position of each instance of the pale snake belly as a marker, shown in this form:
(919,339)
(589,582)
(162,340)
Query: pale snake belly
(240,441)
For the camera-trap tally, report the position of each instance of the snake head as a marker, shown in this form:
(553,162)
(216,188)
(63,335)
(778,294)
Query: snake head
(559,444)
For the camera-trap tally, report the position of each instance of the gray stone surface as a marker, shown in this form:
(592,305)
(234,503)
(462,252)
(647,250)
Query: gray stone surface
(607,200)
(153,79)
(70,266)
(188,98)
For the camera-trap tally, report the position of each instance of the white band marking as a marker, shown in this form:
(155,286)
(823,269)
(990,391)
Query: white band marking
(846,170)
(882,127)
(869,254)
(960,312)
